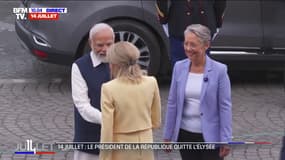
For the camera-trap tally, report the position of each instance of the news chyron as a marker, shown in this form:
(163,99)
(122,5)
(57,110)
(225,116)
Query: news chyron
(38,13)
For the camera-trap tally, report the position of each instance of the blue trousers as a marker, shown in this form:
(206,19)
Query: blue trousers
(176,50)
(282,154)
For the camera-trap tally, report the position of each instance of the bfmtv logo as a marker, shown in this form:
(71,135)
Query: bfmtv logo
(20,13)
(38,13)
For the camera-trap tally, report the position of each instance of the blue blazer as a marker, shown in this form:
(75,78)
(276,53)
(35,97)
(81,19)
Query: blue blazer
(215,102)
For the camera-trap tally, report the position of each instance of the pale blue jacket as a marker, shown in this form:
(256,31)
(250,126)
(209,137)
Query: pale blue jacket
(215,102)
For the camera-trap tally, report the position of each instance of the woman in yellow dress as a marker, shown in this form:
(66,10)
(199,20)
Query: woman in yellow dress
(130,104)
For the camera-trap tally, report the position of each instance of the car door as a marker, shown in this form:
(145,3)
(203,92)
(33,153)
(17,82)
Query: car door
(241,30)
(274,24)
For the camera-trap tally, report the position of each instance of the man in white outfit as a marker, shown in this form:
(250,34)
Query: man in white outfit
(88,74)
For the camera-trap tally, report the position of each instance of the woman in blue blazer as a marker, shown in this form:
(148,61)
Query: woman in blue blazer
(199,102)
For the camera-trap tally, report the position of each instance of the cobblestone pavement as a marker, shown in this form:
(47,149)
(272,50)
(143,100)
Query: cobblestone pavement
(42,111)
(35,103)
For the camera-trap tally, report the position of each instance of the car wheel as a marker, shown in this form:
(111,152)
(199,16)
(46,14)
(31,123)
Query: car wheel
(143,38)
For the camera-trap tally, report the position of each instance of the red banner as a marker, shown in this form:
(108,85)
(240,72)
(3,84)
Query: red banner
(43,16)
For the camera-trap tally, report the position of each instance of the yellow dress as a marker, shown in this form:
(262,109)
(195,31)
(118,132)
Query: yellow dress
(129,113)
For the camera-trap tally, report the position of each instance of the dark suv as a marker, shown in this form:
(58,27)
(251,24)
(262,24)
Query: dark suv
(64,40)
(252,36)
(253,32)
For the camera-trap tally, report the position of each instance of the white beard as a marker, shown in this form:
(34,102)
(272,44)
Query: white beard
(102,58)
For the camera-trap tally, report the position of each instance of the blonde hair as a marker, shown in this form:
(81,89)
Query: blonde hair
(123,57)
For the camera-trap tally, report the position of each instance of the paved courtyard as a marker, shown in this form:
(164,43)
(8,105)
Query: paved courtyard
(42,111)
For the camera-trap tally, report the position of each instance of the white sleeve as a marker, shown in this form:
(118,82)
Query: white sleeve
(80,97)
(165,28)
(215,34)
